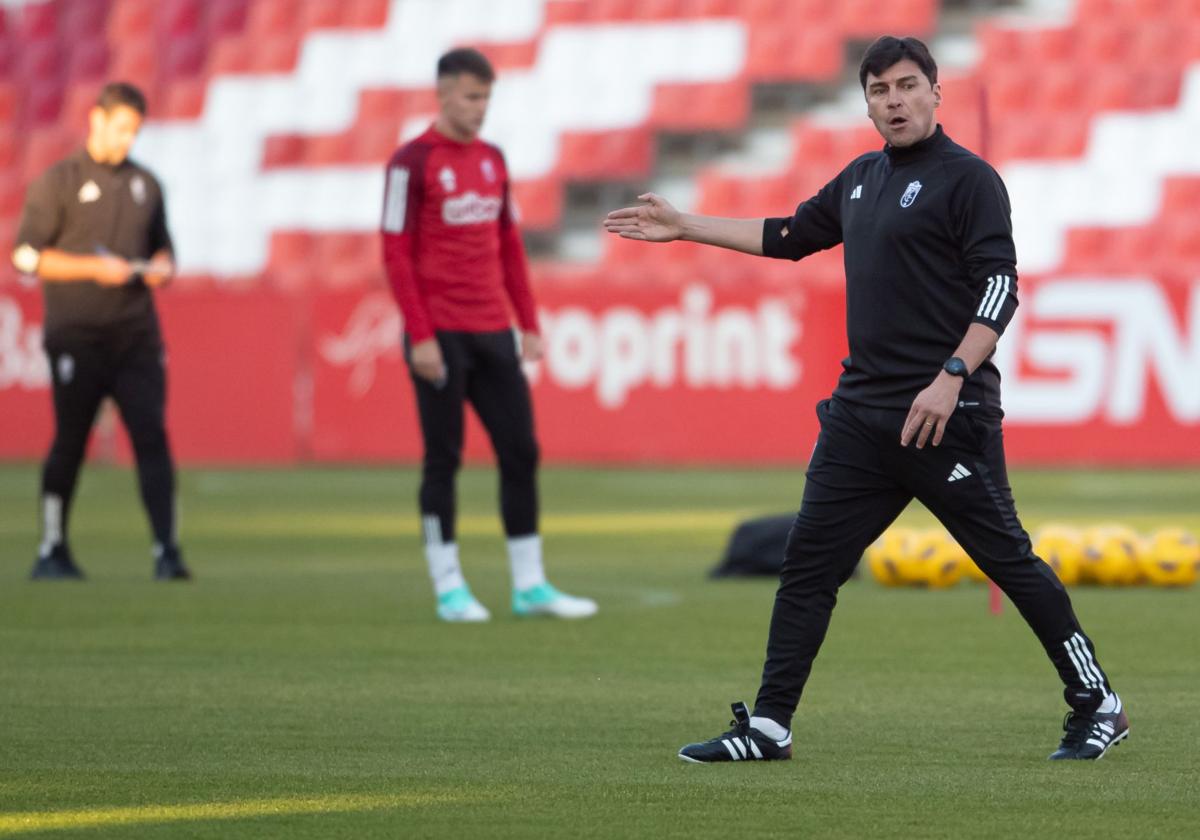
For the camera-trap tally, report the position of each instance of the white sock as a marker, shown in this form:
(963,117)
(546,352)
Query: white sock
(1110,705)
(443,567)
(525,559)
(769,728)
(52,534)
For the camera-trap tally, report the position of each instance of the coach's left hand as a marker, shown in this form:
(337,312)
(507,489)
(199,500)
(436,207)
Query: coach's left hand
(532,348)
(931,411)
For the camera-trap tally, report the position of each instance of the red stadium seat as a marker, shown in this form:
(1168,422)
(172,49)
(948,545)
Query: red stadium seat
(12,196)
(320,14)
(10,146)
(182,99)
(1181,197)
(863,18)
(43,101)
(606,155)
(1156,87)
(10,103)
(40,60)
(1087,250)
(265,20)
(1011,90)
(180,18)
(1104,41)
(275,53)
(1054,45)
(88,60)
(779,54)
(185,58)
(714,106)
(37,20)
(79,99)
(327,150)
(130,20)
(284,150)
(135,61)
(83,19)
(365,14)
(538,202)
(374,142)
(228,56)
(45,146)
(225,17)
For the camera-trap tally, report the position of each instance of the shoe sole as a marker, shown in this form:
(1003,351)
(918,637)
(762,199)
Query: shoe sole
(691,760)
(1115,741)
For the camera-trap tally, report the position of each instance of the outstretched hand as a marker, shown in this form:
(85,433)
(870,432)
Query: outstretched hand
(655,221)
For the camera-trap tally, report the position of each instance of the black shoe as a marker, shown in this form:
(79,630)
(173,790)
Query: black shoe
(58,564)
(169,566)
(1089,736)
(739,743)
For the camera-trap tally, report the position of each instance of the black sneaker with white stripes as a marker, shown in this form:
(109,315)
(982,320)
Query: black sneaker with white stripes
(741,743)
(1088,737)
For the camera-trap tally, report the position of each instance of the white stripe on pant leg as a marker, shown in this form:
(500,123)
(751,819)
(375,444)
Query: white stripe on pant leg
(732,752)
(1091,663)
(433,530)
(1085,660)
(1085,656)
(1083,676)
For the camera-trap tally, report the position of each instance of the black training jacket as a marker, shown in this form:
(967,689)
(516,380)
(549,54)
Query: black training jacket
(928,250)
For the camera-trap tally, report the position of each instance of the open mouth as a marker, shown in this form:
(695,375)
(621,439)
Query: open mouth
(897,122)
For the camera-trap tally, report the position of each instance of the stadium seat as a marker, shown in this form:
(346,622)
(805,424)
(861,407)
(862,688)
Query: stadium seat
(284,150)
(225,17)
(43,101)
(136,62)
(327,150)
(701,107)
(317,14)
(606,155)
(10,147)
(40,60)
(37,21)
(10,103)
(130,20)
(12,194)
(229,56)
(182,99)
(538,202)
(365,14)
(274,53)
(186,57)
(180,18)
(267,20)
(82,19)
(88,60)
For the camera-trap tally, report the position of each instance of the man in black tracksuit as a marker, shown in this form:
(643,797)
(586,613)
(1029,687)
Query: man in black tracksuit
(931,283)
(94,231)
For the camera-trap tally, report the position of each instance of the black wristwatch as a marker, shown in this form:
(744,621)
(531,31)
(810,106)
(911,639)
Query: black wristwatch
(956,367)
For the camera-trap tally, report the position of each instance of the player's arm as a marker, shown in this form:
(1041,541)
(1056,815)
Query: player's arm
(657,220)
(516,280)
(401,202)
(159,270)
(814,226)
(982,215)
(39,230)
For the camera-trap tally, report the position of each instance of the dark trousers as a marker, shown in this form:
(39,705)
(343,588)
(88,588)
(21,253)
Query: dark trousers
(131,370)
(858,482)
(485,370)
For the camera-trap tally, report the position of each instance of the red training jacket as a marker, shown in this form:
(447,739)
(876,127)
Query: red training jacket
(451,248)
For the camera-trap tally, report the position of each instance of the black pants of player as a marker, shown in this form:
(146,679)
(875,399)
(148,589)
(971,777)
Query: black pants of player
(131,370)
(858,482)
(484,369)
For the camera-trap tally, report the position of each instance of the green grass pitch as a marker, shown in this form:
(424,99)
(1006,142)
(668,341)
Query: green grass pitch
(301,687)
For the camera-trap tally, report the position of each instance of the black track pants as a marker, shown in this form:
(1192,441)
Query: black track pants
(858,482)
(131,370)
(485,370)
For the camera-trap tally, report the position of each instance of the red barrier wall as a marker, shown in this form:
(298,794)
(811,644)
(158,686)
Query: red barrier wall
(1096,371)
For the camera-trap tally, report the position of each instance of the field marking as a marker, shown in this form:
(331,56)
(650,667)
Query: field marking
(35,821)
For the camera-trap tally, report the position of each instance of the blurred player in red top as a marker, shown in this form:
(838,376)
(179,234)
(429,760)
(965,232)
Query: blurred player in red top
(457,268)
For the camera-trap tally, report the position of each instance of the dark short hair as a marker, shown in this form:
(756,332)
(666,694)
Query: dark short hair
(466,60)
(889,50)
(121,93)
